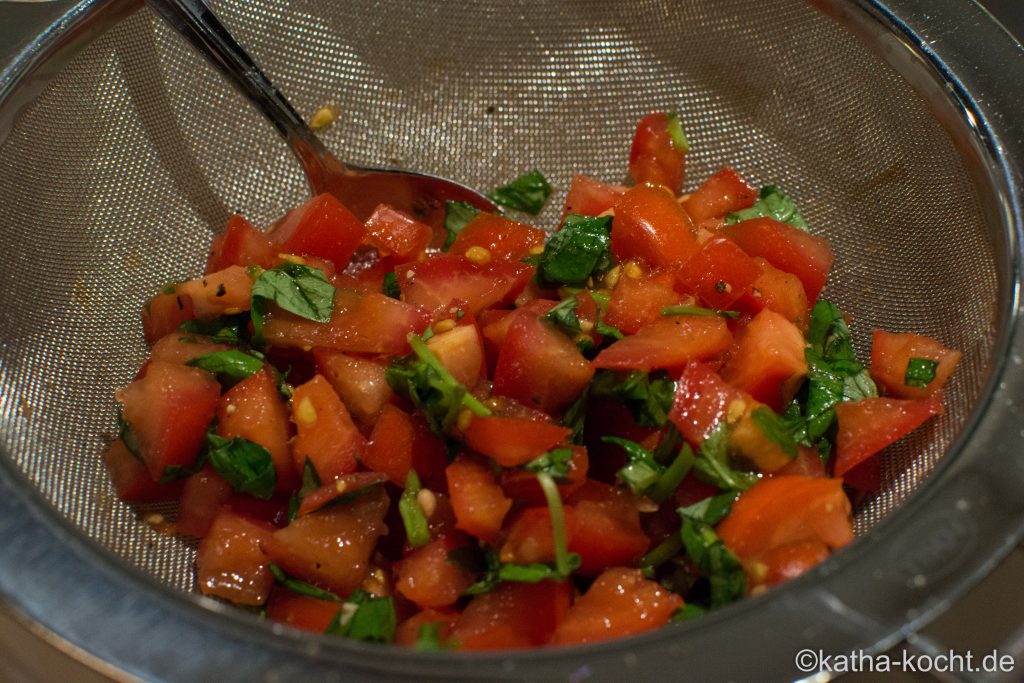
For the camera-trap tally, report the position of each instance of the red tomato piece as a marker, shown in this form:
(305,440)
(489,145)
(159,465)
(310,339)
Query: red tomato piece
(590,197)
(621,602)
(202,498)
(701,402)
(787,248)
(668,343)
(479,503)
(867,476)
(869,425)
(781,510)
(529,538)
(807,464)
(503,238)
(603,526)
(791,560)
(360,323)
(408,631)
(636,302)
(719,274)
(778,291)
(654,157)
(301,611)
(513,616)
(241,244)
(390,450)
(332,547)
(436,283)
(163,314)
(323,228)
(172,349)
(461,351)
(168,411)
(345,485)
(213,295)
(891,353)
(326,435)
(513,441)
(720,194)
(360,383)
(230,563)
(651,226)
(767,360)
(131,478)
(428,578)
(396,233)
(522,485)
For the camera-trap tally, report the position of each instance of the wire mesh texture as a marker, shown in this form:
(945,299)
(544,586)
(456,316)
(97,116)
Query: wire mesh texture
(118,174)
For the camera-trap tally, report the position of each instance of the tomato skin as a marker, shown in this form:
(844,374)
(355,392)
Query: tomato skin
(461,351)
(390,450)
(326,436)
(163,314)
(202,498)
(241,244)
(787,248)
(479,503)
(791,560)
(701,402)
(168,411)
(603,526)
(395,233)
(445,281)
(653,157)
(131,478)
(513,441)
(649,225)
(301,611)
(869,425)
(891,353)
(719,274)
(590,197)
(360,383)
(787,509)
(668,343)
(342,486)
(778,291)
(720,194)
(621,602)
(636,302)
(323,228)
(767,360)
(426,576)
(308,547)
(230,563)
(213,295)
(503,238)
(512,616)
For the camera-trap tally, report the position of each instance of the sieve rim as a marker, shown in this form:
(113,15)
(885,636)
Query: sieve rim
(40,550)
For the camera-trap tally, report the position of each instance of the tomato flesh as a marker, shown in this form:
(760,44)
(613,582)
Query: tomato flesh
(720,194)
(326,435)
(668,343)
(322,228)
(503,238)
(397,234)
(891,354)
(654,157)
(231,564)
(650,226)
(789,249)
(513,441)
(590,197)
(869,425)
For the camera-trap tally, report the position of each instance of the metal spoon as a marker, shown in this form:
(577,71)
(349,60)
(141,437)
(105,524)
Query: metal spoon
(360,189)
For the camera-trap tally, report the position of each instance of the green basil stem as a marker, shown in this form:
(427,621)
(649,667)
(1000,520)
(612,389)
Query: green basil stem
(672,477)
(547,485)
(424,353)
(417,530)
(662,553)
(698,310)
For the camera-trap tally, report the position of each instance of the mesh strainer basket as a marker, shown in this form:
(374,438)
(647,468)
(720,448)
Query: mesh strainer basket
(121,151)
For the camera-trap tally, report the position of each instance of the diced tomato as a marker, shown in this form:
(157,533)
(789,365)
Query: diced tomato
(390,450)
(636,302)
(807,463)
(429,455)
(231,564)
(301,611)
(791,560)
(326,435)
(309,547)
(513,441)
(603,526)
(651,226)
(719,274)
(438,282)
(522,485)
(495,324)
(539,366)
(869,425)
(787,248)
(529,539)
(179,348)
(668,343)
(360,383)
(748,440)
(654,157)
(345,485)
(702,402)
(168,411)
(322,227)
(778,291)
(241,244)
(479,503)
(408,631)
(867,476)
(163,314)
(590,197)
(360,323)
(720,194)
(131,479)
(461,351)
(428,578)
(782,510)
(512,616)
(202,498)
(396,233)
(621,602)
(767,360)
(891,353)
(213,295)
(503,238)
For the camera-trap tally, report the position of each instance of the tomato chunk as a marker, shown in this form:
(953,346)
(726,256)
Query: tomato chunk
(869,425)
(649,225)
(891,354)
(202,498)
(179,349)
(767,360)
(326,435)
(213,295)
(791,560)
(438,282)
(603,526)
(513,616)
(778,291)
(701,402)
(241,244)
(513,441)
(428,578)
(636,302)
(720,194)
(590,197)
(668,343)
(322,227)
(230,563)
(719,274)
(461,351)
(163,314)
(408,632)
(503,238)
(360,383)
(390,450)
(301,611)
(396,233)
(479,503)
(787,248)
(654,157)
(131,479)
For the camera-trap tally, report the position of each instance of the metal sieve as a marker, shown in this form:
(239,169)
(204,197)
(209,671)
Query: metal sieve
(892,124)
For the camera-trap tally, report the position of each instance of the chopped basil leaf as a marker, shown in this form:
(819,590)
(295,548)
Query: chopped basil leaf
(775,429)
(641,471)
(687,612)
(230,367)
(563,316)
(125,433)
(575,417)
(697,310)
(488,568)
(390,286)
(245,465)
(416,530)
(648,397)
(712,463)
(428,638)
(310,483)
(606,330)
(298,289)
(456,216)
(660,554)
(532,573)
(366,617)
(227,329)
(677,134)
(429,385)
(711,510)
(527,193)
(554,463)
(773,203)
(301,587)
(672,476)
(707,552)
(920,372)
(576,251)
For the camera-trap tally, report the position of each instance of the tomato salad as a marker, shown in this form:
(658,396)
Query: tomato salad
(490,438)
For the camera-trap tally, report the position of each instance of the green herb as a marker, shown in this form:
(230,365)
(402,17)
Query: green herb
(366,617)
(606,330)
(775,428)
(687,612)
(310,483)
(415,522)
(773,203)
(227,329)
(456,216)
(648,397)
(125,433)
(493,571)
(554,463)
(298,289)
(641,471)
(428,638)
(563,316)
(712,463)
(707,552)
(672,476)
(170,287)
(660,554)
(578,250)
(533,573)
(245,465)
(230,367)
(697,310)
(565,562)
(390,286)
(677,134)
(575,417)
(301,587)
(429,385)
(920,372)
(527,193)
